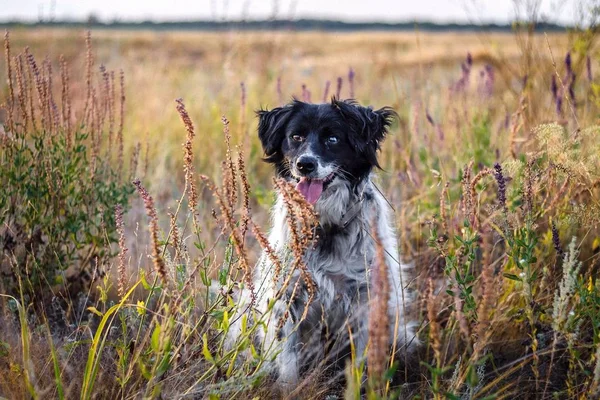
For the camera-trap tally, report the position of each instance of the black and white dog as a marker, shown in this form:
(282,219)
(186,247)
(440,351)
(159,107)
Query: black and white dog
(328,151)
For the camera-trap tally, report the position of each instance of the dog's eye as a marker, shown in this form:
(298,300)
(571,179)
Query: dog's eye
(332,139)
(298,138)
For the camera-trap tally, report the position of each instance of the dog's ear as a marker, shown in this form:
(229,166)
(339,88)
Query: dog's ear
(271,131)
(369,127)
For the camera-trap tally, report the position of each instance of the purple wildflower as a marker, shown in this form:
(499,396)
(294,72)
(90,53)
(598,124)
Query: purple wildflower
(440,132)
(490,80)
(326,91)
(568,63)
(572,89)
(339,87)
(304,93)
(429,118)
(556,240)
(499,176)
(351,82)
(463,83)
(554,88)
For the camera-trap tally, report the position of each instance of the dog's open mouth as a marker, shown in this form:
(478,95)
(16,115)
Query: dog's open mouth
(311,189)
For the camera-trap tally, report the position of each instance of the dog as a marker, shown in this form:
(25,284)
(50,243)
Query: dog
(328,151)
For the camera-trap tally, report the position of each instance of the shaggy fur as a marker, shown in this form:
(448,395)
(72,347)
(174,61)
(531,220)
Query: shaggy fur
(331,149)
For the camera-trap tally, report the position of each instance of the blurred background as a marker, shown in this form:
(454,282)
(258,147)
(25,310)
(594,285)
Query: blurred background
(436,62)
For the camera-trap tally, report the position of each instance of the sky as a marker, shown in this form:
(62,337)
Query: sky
(465,11)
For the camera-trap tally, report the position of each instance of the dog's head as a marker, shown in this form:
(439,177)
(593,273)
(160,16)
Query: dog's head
(317,144)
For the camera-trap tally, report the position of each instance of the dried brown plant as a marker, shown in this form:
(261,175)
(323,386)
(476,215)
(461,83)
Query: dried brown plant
(473,213)
(229,173)
(175,237)
(135,157)
(245,192)
(111,110)
(11,94)
(379,320)
(66,100)
(301,220)
(467,201)
(443,216)
(121,121)
(268,249)
(516,124)
(35,76)
(22,88)
(435,335)
(229,222)
(30,83)
(157,259)
(188,162)
(121,269)
(89,63)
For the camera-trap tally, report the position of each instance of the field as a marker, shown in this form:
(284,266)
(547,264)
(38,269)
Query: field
(492,169)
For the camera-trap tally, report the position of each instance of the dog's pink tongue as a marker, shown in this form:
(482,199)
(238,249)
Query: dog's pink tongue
(311,189)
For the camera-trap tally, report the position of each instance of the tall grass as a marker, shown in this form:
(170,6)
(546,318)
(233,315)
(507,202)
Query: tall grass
(492,171)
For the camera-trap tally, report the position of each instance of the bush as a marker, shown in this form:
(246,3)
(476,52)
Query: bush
(58,197)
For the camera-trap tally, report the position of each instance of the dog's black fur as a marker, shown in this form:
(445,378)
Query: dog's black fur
(360,131)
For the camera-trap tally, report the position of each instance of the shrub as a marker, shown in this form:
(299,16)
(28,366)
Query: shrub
(59,193)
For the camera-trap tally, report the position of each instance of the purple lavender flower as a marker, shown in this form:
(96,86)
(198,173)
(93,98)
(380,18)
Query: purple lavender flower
(429,118)
(501,185)
(572,89)
(339,87)
(556,240)
(326,91)
(490,80)
(440,132)
(304,93)
(559,106)
(469,59)
(554,88)
(351,82)
(568,63)
(465,68)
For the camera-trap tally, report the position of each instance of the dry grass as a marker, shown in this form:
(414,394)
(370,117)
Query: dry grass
(485,199)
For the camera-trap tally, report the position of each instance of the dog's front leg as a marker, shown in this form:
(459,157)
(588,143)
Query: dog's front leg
(360,338)
(288,360)
(282,338)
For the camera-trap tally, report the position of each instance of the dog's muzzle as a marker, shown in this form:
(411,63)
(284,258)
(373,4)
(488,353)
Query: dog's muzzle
(306,165)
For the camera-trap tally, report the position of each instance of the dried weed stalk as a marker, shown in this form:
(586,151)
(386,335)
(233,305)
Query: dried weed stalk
(159,262)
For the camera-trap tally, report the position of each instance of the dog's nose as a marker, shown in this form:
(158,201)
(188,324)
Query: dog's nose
(306,165)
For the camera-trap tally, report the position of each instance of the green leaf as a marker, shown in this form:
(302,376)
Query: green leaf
(512,277)
(95,311)
(205,351)
(155,340)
